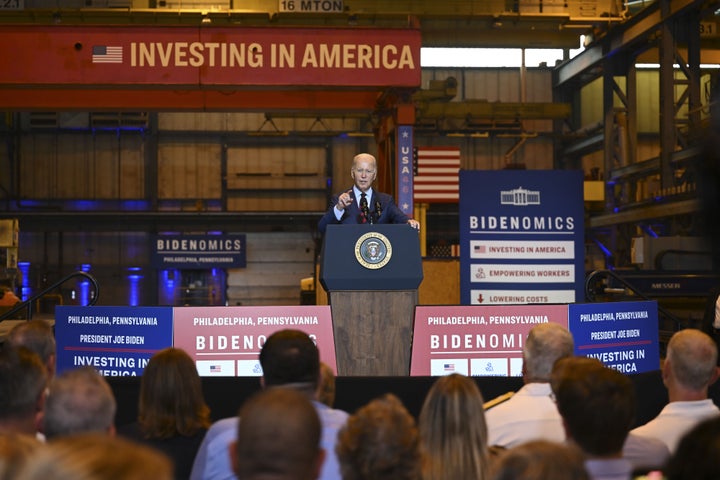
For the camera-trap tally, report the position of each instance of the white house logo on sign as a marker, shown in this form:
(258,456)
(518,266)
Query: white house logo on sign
(519,197)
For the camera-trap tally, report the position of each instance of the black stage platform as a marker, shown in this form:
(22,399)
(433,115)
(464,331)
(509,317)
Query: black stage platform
(224,395)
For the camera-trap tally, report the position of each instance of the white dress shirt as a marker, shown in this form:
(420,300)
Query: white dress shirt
(676,419)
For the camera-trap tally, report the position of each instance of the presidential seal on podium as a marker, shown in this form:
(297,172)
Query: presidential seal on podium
(373,250)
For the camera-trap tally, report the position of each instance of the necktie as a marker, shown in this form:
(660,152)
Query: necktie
(363,208)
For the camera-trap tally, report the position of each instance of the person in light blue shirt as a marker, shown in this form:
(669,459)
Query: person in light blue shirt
(289,359)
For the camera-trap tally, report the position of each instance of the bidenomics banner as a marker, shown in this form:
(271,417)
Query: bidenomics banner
(521,237)
(116,341)
(488,340)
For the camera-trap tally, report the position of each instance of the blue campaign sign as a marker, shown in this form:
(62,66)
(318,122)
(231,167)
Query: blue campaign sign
(117,341)
(521,237)
(622,335)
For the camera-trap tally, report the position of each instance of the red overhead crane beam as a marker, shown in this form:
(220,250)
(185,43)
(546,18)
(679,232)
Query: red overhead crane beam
(144,99)
(201,68)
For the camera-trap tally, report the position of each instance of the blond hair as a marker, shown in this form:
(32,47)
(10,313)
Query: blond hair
(15,450)
(453,432)
(96,457)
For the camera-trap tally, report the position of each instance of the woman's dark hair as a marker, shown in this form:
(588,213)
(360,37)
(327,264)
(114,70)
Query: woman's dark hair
(171,397)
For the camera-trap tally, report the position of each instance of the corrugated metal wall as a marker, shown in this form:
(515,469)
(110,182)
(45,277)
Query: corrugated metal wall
(276,262)
(76,165)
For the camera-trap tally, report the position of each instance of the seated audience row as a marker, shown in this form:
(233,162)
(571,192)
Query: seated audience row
(571,419)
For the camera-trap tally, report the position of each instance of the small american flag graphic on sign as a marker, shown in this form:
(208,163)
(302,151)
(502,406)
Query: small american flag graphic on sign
(215,368)
(106,54)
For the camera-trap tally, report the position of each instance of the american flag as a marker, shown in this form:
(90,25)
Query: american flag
(449,367)
(215,368)
(105,54)
(479,248)
(437,179)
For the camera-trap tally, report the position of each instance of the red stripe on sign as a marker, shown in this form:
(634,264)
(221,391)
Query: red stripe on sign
(437,179)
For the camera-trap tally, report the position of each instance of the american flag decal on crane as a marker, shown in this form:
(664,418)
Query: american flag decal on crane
(107,54)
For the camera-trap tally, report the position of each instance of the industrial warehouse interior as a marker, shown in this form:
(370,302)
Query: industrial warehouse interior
(91,174)
(399,212)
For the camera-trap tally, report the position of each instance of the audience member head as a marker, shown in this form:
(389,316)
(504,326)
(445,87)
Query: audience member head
(326,387)
(38,336)
(23,380)
(541,460)
(290,358)
(379,442)
(698,454)
(79,401)
(171,397)
(545,344)
(7,295)
(278,437)
(596,403)
(96,457)
(690,365)
(453,432)
(15,450)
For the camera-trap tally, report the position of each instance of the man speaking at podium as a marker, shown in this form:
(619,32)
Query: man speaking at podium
(361,204)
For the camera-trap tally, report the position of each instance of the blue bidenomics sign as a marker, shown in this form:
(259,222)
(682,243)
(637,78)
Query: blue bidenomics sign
(521,237)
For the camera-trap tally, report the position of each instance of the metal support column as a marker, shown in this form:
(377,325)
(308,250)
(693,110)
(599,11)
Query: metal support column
(609,142)
(668,139)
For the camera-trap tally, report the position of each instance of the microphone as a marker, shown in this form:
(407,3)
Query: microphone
(378,209)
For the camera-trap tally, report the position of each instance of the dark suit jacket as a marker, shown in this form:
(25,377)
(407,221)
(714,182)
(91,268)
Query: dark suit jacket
(389,211)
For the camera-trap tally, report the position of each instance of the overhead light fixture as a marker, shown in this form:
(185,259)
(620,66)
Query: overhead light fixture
(268,133)
(468,135)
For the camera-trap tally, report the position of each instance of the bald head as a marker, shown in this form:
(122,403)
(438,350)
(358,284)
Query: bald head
(278,437)
(691,359)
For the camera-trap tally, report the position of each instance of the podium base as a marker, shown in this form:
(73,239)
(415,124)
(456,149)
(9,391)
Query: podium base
(373,331)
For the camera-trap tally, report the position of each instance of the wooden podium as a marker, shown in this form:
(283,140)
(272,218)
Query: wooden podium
(371,274)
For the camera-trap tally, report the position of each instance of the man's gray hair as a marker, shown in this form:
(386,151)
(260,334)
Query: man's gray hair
(78,401)
(545,344)
(692,355)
